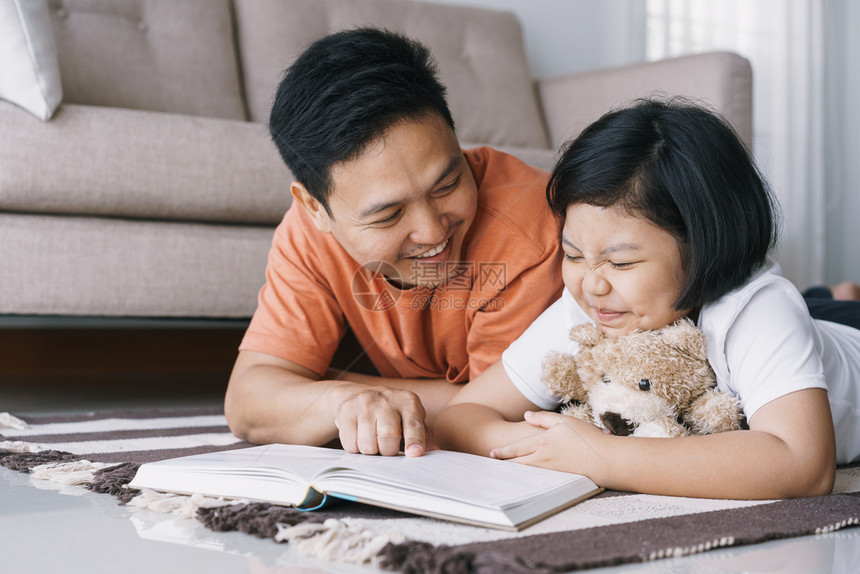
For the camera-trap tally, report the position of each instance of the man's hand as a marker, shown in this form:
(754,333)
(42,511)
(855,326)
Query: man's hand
(375,419)
(271,400)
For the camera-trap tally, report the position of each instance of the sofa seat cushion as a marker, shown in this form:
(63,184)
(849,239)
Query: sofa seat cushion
(480,53)
(161,55)
(145,165)
(111,267)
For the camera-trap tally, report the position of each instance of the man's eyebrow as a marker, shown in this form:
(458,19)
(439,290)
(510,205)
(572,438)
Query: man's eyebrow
(375,208)
(456,161)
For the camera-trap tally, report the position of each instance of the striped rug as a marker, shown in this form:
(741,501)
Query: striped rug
(612,528)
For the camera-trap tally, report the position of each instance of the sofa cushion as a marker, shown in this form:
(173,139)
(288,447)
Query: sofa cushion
(102,266)
(113,162)
(160,55)
(480,53)
(722,80)
(29,74)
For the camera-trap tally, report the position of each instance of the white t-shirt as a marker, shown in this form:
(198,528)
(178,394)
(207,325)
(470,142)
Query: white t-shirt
(761,341)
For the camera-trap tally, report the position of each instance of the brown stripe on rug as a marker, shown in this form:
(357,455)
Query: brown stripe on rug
(633,541)
(38,419)
(143,456)
(125,434)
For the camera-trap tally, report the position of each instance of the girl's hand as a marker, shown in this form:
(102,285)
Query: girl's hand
(566,443)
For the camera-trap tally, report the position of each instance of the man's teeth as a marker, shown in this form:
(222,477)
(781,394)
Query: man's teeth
(435,251)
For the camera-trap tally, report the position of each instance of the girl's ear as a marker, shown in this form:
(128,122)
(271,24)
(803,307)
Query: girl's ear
(314,208)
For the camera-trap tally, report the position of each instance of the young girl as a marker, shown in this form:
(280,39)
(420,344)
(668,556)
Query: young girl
(666,216)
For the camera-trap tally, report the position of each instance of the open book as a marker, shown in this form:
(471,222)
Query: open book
(443,484)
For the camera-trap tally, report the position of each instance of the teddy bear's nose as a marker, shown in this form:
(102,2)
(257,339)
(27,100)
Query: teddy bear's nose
(617,424)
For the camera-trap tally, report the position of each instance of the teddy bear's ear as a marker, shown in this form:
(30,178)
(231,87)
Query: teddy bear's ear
(586,334)
(559,373)
(686,337)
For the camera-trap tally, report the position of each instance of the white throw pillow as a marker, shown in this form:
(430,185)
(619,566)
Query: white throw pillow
(29,72)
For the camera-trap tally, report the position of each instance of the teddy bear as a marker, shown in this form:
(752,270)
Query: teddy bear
(648,383)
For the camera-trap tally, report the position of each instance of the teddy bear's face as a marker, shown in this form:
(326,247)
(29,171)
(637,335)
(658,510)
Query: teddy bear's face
(641,385)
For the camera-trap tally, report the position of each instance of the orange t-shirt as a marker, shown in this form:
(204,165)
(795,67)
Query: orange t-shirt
(510,273)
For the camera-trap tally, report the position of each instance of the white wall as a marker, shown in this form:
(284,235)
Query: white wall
(564,36)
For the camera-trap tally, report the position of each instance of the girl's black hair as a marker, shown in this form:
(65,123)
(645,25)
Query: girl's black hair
(685,169)
(343,93)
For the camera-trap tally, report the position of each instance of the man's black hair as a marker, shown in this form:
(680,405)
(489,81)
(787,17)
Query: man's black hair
(685,169)
(343,93)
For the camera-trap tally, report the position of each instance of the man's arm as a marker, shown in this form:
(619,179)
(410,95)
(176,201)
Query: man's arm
(274,400)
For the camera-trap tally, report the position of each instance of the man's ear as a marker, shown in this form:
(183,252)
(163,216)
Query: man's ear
(314,208)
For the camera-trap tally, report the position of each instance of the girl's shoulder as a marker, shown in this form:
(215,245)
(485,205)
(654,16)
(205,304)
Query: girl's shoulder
(761,340)
(768,301)
(767,280)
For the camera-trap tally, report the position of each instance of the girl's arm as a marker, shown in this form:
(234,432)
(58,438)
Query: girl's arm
(486,412)
(789,451)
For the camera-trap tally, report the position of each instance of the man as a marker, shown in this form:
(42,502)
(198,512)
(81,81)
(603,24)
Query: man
(436,258)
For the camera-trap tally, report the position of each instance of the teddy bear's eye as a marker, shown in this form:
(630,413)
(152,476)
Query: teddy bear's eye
(606,378)
(644,385)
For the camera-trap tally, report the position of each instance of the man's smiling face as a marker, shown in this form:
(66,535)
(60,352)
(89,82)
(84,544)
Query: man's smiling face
(408,201)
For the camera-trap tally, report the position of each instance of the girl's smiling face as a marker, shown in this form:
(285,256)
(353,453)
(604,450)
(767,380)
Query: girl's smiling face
(624,271)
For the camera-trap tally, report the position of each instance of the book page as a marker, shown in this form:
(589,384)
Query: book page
(456,485)
(256,473)
(453,475)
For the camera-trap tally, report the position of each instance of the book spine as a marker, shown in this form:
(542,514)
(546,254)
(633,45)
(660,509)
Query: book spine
(314,500)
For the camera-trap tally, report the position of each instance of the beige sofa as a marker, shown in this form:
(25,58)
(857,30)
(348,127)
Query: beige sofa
(153,190)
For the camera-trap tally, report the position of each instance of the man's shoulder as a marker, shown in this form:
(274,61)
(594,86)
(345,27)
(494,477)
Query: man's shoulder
(512,200)
(298,241)
(296,227)
(499,171)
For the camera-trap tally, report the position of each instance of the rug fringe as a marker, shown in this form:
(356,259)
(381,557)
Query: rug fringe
(837,526)
(260,519)
(19,446)
(338,540)
(114,480)
(426,557)
(702,547)
(181,505)
(24,458)
(9,421)
(78,472)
